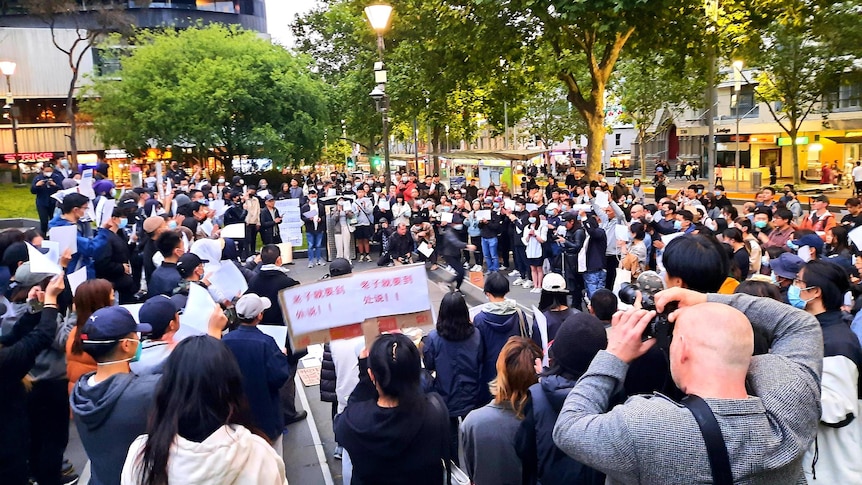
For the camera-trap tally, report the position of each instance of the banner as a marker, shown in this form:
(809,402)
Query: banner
(352,299)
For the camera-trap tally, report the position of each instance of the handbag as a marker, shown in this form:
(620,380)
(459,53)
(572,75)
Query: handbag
(526,330)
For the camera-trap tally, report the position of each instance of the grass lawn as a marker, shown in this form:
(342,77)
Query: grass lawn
(17,202)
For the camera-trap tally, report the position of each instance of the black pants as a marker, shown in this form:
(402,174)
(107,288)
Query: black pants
(453,440)
(455,263)
(504,245)
(287,395)
(45,215)
(611,263)
(48,408)
(250,243)
(477,254)
(576,286)
(858,187)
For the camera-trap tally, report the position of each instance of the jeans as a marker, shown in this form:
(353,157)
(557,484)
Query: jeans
(489,249)
(315,246)
(594,281)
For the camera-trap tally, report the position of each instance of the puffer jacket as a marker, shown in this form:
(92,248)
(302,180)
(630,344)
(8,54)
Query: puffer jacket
(458,367)
(328,380)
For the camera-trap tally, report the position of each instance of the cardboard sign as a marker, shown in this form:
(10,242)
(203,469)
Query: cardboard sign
(324,310)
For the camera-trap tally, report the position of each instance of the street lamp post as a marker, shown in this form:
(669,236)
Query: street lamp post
(379,15)
(737,87)
(8,69)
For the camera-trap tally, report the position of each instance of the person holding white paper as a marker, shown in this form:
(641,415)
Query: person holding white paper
(315,228)
(113,262)
(73,209)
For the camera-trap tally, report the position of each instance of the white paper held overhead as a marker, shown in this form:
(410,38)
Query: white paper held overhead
(66,237)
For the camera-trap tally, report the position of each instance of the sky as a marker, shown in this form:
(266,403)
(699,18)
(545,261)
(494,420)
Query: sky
(280,13)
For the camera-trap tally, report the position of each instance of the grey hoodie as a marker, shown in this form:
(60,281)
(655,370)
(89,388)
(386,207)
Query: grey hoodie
(109,416)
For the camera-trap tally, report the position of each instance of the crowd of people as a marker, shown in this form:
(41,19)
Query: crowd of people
(762,356)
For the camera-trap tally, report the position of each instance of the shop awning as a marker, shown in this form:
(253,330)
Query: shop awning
(845,139)
(496,154)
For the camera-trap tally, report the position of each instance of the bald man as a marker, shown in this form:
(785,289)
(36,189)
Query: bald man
(766,406)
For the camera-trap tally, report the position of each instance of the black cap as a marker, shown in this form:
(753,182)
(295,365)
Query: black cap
(187,263)
(568,216)
(340,266)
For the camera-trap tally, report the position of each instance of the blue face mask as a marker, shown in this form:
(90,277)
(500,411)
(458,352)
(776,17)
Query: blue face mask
(172,224)
(123,223)
(445,208)
(760,224)
(717,192)
(549,212)
(794,298)
(532,220)
(496,205)
(677,225)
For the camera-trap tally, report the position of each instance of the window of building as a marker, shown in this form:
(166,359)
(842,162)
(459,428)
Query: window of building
(746,104)
(617,139)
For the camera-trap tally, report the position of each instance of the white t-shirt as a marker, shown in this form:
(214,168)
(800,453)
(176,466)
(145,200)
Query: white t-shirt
(857,173)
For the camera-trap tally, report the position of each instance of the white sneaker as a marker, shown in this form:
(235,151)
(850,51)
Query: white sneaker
(310,265)
(320,262)
(518,281)
(527,284)
(476,268)
(536,290)
(502,268)
(466,265)
(514,273)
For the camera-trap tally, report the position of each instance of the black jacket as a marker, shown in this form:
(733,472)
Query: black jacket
(452,243)
(400,245)
(165,279)
(109,264)
(596,246)
(269,232)
(534,441)
(268,282)
(328,378)
(491,229)
(32,334)
(235,214)
(309,223)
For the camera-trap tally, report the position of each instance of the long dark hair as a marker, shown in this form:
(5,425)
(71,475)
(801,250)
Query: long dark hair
(89,297)
(395,362)
(200,391)
(453,320)
(553,299)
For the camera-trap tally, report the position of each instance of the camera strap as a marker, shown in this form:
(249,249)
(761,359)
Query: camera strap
(716,450)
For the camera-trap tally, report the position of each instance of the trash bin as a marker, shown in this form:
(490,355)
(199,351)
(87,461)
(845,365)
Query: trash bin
(756,179)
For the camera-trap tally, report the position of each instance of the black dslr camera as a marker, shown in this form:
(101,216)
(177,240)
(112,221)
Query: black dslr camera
(649,283)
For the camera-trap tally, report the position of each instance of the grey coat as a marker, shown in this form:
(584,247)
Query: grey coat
(651,439)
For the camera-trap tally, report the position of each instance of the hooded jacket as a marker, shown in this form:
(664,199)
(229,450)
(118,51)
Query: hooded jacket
(109,416)
(232,455)
(390,445)
(534,441)
(496,323)
(458,366)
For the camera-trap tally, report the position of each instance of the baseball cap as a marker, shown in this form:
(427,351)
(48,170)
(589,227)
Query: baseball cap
(568,216)
(25,277)
(810,240)
(188,262)
(152,223)
(250,305)
(787,265)
(182,199)
(339,266)
(552,206)
(820,198)
(554,282)
(268,197)
(111,323)
(158,312)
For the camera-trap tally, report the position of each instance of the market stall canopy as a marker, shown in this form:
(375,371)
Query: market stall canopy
(495,154)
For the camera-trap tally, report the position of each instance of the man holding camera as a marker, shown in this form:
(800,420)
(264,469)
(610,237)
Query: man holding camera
(745,419)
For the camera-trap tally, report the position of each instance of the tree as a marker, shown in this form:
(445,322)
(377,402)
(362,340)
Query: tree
(90,26)
(550,116)
(586,38)
(220,89)
(635,88)
(800,54)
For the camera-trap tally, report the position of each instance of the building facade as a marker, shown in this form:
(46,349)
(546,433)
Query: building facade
(831,134)
(42,77)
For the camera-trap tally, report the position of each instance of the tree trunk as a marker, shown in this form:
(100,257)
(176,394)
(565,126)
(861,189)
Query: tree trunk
(642,150)
(435,147)
(595,140)
(73,122)
(794,154)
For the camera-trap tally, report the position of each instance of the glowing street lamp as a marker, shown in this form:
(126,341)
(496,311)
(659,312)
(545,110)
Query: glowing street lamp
(379,16)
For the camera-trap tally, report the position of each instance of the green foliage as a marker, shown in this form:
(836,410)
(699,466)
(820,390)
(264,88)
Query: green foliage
(222,89)
(550,116)
(336,152)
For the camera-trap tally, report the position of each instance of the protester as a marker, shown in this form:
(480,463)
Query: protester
(166,277)
(44,186)
(393,431)
(765,436)
(315,228)
(201,429)
(453,351)
(578,340)
(73,210)
(32,334)
(110,405)
(264,367)
(488,433)
(499,319)
(553,303)
(90,296)
(269,222)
